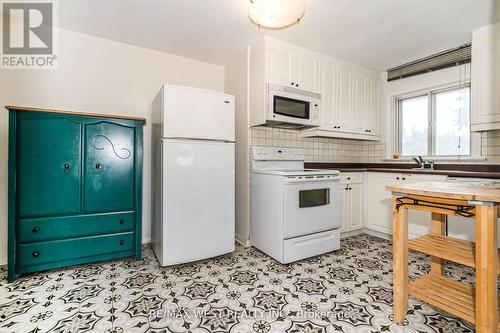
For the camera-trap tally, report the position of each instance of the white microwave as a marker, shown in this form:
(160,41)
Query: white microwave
(292,107)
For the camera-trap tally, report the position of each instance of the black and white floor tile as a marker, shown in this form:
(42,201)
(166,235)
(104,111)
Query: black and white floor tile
(349,290)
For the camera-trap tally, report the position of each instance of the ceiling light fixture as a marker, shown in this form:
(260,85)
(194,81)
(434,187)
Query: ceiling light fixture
(276,14)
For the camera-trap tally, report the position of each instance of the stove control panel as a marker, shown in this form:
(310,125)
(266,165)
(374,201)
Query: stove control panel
(277,154)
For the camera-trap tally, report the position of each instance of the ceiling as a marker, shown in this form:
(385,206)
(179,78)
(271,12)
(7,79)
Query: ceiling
(378,34)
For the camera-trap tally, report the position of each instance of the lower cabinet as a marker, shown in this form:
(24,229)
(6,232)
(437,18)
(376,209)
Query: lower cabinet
(352,196)
(379,204)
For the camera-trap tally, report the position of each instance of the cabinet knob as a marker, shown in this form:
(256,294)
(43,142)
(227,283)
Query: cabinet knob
(296,84)
(35,253)
(97,166)
(293,84)
(35,229)
(348,178)
(66,166)
(122,242)
(122,220)
(404,178)
(397,178)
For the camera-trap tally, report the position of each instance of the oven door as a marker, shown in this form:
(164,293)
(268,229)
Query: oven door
(311,206)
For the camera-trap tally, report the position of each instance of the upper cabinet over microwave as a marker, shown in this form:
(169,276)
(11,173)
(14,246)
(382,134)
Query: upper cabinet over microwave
(274,63)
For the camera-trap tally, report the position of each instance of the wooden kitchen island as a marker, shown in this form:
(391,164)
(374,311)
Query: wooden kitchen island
(477,201)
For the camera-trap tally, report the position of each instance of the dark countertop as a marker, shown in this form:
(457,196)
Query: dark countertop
(452,170)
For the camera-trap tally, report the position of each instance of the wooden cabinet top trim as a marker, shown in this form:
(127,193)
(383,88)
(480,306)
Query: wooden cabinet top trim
(77,113)
(462,191)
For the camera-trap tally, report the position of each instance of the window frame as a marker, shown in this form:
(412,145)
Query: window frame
(474,143)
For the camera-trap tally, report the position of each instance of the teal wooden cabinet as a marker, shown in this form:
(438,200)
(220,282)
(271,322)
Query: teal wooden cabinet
(75,184)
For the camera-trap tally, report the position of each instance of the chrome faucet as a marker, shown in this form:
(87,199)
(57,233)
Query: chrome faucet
(420,161)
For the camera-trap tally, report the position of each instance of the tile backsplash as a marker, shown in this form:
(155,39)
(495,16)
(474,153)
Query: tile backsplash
(346,150)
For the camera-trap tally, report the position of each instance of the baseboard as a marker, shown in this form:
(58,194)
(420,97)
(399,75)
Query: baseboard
(351,233)
(242,242)
(377,234)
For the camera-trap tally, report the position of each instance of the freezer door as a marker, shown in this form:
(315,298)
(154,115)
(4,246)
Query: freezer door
(198,202)
(197,113)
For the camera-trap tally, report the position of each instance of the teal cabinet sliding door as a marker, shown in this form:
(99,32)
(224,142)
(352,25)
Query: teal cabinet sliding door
(75,184)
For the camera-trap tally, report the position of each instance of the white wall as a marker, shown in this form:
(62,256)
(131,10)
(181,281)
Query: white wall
(236,83)
(103,76)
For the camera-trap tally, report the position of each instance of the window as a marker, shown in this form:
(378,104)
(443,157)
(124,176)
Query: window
(436,123)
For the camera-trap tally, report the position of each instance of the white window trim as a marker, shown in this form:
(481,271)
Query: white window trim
(393,135)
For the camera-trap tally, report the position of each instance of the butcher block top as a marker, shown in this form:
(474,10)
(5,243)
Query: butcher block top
(461,191)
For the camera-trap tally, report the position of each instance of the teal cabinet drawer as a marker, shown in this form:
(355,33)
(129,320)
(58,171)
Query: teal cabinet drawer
(60,250)
(43,229)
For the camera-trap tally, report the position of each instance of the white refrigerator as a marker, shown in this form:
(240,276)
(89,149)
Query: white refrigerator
(193,184)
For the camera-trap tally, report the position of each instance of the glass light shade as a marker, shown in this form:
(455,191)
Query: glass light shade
(276,14)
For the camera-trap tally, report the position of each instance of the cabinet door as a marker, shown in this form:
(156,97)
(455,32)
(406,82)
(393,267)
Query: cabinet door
(109,167)
(306,72)
(485,85)
(328,85)
(359,98)
(373,106)
(380,201)
(345,205)
(342,113)
(356,206)
(49,166)
(280,65)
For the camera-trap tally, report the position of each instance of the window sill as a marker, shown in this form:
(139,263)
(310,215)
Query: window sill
(438,159)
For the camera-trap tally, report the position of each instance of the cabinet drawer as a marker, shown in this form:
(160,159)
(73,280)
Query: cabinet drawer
(60,250)
(43,229)
(351,178)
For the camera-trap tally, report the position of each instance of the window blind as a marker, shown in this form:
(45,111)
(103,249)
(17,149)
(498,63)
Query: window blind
(449,58)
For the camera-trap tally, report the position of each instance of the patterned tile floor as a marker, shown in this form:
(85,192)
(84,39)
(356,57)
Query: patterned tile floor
(344,291)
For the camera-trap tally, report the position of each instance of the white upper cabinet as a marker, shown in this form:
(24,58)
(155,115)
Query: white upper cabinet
(485,80)
(372,124)
(343,116)
(328,85)
(350,94)
(306,70)
(351,103)
(359,101)
(292,68)
(280,65)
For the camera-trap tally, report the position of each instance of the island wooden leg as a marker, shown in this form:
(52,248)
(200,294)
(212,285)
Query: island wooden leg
(400,261)
(438,228)
(486,269)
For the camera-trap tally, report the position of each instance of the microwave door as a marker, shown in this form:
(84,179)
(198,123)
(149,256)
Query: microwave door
(290,107)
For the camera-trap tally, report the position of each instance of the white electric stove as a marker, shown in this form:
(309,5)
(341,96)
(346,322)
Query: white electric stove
(295,212)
